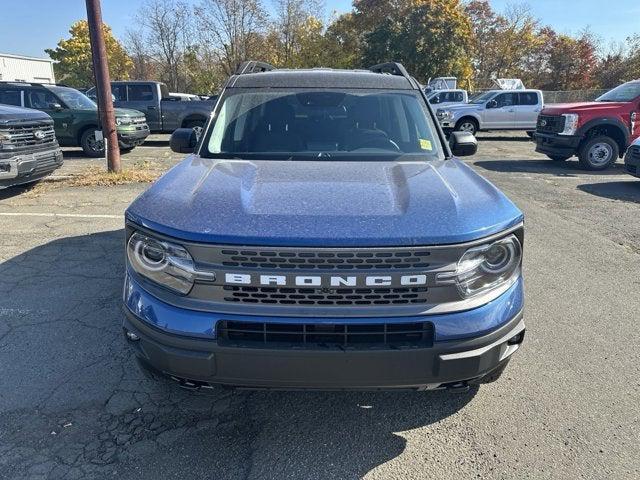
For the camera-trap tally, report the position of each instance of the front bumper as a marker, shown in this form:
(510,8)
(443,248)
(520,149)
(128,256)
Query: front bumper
(28,167)
(133,136)
(201,362)
(632,161)
(560,145)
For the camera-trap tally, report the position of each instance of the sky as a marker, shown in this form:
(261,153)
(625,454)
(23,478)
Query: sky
(27,27)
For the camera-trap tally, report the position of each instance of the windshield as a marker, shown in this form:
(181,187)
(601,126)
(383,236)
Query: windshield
(624,93)
(322,123)
(482,97)
(73,98)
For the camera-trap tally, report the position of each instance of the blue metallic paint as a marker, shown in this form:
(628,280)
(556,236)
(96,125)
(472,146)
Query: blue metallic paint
(324,203)
(452,326)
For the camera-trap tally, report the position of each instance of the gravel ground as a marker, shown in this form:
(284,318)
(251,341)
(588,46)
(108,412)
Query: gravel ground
(74,406)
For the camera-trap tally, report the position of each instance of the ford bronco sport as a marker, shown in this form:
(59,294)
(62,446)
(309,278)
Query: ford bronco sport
(323,235)
(75,116)
(598,132)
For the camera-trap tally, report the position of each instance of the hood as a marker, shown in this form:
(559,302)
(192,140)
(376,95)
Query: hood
(463,106)
(323,203)
(559,108)
(127,112)
(9,114)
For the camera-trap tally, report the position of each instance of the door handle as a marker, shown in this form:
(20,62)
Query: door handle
(151,107)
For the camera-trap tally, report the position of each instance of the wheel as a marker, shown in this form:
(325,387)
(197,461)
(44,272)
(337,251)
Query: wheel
(90,146)
(599,153)
(530,134)
(466,125)
(197,126)
(126,148)
(558,158)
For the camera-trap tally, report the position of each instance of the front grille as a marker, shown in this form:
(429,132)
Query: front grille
(326,260)
(327,297)
(632,169)
(634,152)
(550,123)
(325,336)
(24,136)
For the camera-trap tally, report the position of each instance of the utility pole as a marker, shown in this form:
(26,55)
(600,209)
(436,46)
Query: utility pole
(103,85)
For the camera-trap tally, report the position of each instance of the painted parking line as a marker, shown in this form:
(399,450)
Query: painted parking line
(67,215)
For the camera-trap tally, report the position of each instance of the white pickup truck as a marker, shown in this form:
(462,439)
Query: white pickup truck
(447,97)
(494,110)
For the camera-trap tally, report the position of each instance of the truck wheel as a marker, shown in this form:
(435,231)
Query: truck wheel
(197,126)
(530,133)
(467,125)
(598,153)
(90,146)
(558,158)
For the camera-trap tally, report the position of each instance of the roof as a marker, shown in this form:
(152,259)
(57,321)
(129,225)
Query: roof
(320,77)
(25,57)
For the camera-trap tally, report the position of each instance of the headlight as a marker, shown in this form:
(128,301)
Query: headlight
(162,262)
(489,266)
(444,114)
(570,124)
(5,138)
(123,121)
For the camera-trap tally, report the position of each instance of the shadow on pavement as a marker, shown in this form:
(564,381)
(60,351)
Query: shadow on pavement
(627,191)
(503,138)
(74,405)
(10,192)
(156,143)
(570,168)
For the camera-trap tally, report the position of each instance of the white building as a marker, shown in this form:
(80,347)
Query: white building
(18,68)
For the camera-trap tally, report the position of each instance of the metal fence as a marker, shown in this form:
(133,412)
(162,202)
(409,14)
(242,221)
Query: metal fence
(568,96)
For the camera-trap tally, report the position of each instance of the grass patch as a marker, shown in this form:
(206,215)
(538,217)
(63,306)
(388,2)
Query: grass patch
(97,176)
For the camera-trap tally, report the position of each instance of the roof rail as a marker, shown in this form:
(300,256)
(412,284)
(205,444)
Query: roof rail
(395,68)
(253,66)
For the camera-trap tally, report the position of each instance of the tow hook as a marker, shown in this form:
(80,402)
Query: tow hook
(459,387)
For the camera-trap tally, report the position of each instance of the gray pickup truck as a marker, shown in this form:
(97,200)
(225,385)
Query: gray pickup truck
(164,113)
(28,147)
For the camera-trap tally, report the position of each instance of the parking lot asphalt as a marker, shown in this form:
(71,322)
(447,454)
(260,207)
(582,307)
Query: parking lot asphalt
(73,404)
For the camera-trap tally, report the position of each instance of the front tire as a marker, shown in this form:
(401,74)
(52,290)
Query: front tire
(90,146)
(599,153)
(467,125)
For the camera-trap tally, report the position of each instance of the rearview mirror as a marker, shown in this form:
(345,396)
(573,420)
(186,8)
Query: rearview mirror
(184,140)
(492,104)
(463,144)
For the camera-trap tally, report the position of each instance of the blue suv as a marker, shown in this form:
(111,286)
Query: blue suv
(322,235)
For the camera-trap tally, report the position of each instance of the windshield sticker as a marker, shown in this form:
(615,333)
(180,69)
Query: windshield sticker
(425,144)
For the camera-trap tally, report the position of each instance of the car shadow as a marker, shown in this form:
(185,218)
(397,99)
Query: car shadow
(503,138)
(570,168)
(79,381)
(156,143)
(10,192)
(626,191)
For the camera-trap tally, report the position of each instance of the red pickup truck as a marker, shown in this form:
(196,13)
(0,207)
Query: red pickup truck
(598,132)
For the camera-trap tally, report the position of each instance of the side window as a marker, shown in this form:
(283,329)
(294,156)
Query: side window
(120,92)
(528,98)
(506,99)
(40,99)
(435,98)
(458,97)
(140,93)
(10,97)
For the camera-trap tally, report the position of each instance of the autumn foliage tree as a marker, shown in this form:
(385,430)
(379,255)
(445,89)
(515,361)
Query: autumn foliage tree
(74,61)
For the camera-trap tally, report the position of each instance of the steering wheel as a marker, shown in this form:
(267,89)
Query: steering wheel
(382,143)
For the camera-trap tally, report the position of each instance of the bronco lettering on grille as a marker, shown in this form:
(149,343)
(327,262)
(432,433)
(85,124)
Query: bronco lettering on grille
(325,280)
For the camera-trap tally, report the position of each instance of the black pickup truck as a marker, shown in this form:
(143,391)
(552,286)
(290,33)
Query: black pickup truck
(164,113)
(28,147)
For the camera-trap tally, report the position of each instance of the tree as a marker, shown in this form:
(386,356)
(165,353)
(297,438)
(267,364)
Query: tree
(73,55)
(430,37)
(232,30)
(167,26)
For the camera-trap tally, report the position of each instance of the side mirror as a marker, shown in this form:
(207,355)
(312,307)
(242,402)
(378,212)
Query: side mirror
(492,104)
(463,144)
(184,140)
